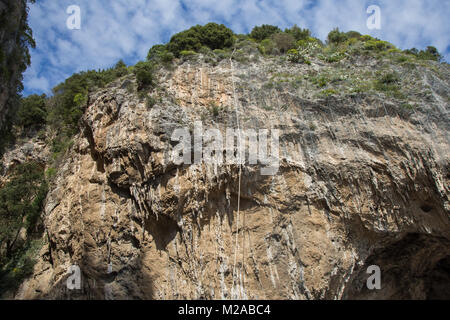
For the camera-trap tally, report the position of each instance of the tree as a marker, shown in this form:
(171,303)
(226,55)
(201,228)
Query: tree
(283,41)
(18,35)
(212,35)
(21,202)
(65,107)
(144,74)
(353,34)
(155,51)
(412,51)
(186,40)
(120,68)
(32,112)
(335,36)
(298,33)
(17,60)
(216,36)
(160,52)
(267,46)
(264,31)
(431,53)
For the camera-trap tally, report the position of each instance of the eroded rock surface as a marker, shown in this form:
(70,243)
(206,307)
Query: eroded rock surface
(361,181)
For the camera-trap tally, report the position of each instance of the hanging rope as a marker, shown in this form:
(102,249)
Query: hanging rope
(240,167)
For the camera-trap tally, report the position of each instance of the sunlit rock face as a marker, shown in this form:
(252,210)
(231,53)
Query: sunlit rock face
(361,181)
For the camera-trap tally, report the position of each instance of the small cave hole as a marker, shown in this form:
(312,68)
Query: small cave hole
(426,208)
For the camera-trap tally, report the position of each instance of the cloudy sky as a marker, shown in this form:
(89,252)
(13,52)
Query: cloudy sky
(126,29)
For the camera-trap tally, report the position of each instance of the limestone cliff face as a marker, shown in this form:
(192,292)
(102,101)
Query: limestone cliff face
(361,181)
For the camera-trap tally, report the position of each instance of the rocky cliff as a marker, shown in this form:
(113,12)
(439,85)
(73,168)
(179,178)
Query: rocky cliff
(363,180)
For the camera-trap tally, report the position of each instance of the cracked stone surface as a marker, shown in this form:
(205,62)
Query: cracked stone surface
(361,181)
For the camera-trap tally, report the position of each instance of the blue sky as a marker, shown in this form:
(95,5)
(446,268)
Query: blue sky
(126,29)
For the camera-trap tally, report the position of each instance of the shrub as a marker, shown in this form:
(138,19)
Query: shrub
(120,69)
(431,53)
(50,173)
(334,57)
(267,46)
(242,37)
(215,36)
(160,53)
(293,55)
(215,110)
(241,56)
(412,51)
(19,267)
(353,35)
(320,81)
(283,41)
(401,59)
(407,106)
(59,145)
(79,99)
(366,37)
(305,48)
(333,53)
(221,54)
(186,40)
(335,36)
(144,74)
(155,51)
(187,53)
(307,43)
(296,57)
(389,78)
(64,109)
(150,101)
(351,41)
(298,33)
(205,50)
(387,82)
(32,111)
(212,35)
(260,33)
(166,56)
(377,45)
(393,50)
(328,92)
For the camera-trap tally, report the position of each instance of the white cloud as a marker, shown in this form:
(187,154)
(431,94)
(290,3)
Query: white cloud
(121,29)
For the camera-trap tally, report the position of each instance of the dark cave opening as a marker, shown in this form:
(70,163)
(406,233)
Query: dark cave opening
(414,267)
(426,208)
